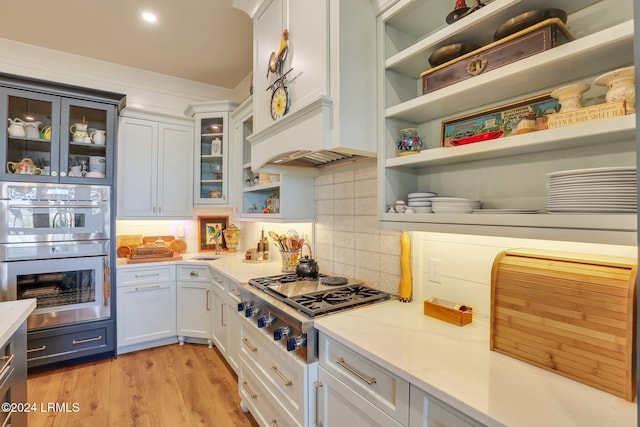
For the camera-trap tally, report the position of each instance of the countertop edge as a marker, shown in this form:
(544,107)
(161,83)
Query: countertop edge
(12,315)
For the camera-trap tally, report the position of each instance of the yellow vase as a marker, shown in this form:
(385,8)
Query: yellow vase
(232,237)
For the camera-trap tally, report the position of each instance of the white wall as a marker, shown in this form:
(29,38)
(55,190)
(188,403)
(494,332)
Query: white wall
(466,262)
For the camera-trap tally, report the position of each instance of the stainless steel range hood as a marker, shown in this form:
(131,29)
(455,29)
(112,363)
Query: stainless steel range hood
(313,137)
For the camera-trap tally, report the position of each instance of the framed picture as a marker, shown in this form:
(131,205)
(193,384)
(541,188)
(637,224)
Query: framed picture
(210,231)
(499,119)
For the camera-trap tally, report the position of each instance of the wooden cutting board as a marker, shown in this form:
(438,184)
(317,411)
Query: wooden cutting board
(572,314)
(154,259)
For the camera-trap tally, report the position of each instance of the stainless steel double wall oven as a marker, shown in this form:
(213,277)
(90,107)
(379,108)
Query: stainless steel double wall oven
(55,247)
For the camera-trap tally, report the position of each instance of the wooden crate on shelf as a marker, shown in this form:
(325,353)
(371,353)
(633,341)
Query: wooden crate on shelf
(572,314)
(530,41)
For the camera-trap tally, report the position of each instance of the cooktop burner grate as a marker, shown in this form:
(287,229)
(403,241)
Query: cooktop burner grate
(339,299)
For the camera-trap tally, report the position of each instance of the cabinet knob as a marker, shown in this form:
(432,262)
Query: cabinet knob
(194,274)
(54,173)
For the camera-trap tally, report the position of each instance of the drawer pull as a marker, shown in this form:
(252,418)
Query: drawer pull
(273,423)
(98,338)
(31,350)
(137,276)
(6,420)
(234,291)
(194,274)
(248,390)
(281,377)
(207,305)
(7,362)
(354,371)
(146,288)
(249,345)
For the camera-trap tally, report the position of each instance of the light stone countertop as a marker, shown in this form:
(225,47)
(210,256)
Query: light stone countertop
(12,314)
(455,365)
(452,363)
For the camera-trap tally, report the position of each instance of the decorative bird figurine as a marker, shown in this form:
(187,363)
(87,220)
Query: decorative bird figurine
(276,59)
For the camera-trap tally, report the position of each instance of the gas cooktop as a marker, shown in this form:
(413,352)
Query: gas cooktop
(317,296)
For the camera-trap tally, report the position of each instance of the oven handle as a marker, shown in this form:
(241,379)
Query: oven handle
(106,285)
(47,205)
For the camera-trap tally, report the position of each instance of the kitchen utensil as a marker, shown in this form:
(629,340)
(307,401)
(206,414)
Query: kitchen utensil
(23,167)
(307,266)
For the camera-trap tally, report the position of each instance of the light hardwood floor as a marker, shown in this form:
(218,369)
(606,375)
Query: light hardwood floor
(170,386)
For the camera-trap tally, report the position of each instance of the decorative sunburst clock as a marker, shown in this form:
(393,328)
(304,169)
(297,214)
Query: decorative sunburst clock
(279,101)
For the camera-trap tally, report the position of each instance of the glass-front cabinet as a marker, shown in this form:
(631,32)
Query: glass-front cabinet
(211,171)
(47,137)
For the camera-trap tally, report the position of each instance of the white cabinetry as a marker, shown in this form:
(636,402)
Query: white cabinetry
(155,157)
(426,411)
(146,307)
(194,302)
(211,172)
(225,320)
(353,389)
(275,385)
(508,172)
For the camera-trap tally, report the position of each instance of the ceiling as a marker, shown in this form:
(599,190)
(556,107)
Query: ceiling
(206,41)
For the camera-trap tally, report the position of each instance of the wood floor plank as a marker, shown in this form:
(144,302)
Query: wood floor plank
(174,385)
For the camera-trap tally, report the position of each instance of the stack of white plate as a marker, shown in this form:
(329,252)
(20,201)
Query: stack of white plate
(454,205)
(420,202)
(595,190)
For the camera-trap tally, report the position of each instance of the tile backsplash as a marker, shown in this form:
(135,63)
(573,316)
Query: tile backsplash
(349,241)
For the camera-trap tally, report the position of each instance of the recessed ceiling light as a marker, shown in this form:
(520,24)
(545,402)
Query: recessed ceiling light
(149,17)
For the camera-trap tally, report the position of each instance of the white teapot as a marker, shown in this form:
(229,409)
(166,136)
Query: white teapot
(16,127)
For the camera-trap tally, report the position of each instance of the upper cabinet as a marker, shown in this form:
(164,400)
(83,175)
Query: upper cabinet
(155,163)
(509,173)
(211,172)
(314,82)
(51,133)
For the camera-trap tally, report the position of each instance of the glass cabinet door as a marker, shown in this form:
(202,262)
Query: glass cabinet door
(30,129)
(212,161)
(86,141)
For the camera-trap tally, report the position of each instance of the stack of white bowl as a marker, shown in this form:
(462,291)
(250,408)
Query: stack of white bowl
(420,202)
(454,205)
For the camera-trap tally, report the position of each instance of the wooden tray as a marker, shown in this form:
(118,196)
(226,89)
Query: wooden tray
(535,39)
(572,314)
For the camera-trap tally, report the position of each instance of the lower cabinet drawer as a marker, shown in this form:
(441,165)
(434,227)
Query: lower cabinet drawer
(68,342)
(379,386)
(262,404)
(285,377)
